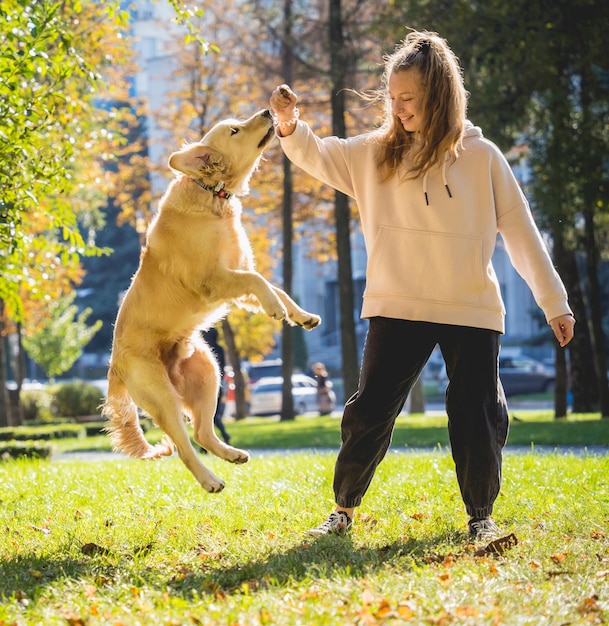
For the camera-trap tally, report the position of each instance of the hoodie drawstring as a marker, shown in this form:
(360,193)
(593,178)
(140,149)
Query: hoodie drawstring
(450,195)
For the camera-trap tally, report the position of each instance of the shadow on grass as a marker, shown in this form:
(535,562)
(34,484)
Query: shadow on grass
(322,557)
(26,578)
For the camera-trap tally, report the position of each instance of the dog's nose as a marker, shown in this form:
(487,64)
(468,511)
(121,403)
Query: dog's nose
(267,113)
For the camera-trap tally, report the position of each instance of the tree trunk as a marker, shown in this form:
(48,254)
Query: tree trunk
(232,356)
(596,312)
(582,372)
(417,397)
(287,337)
(338,70)
(561,385)
(5,418)
(592,190)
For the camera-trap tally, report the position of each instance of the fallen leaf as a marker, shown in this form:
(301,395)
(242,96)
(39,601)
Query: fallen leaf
(597,534)
(558,557)
(499,546)
(366,618)
(91,549)
(445,577)
(588,605)
(384,610)
(466,611)
(74,619)
(405,612)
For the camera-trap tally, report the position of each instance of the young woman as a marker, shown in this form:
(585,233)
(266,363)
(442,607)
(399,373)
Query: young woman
(432,194)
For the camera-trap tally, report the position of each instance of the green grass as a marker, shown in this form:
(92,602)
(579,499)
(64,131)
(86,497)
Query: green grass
(133,542)
(411,431)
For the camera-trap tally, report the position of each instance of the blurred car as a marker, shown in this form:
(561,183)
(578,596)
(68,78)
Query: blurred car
(263,369)
(521,375)
(266,395)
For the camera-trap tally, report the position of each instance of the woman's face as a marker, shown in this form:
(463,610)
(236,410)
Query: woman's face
(406,95)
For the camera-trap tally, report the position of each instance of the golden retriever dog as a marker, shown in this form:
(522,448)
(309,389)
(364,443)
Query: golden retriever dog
(196,262)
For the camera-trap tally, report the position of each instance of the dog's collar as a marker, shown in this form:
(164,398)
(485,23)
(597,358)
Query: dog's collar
(217,189)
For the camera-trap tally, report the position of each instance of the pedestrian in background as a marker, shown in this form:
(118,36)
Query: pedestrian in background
(325,403)
(211,337)
(432,194)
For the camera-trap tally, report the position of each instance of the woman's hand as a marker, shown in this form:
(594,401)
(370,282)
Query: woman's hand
(283,103)
(563,328)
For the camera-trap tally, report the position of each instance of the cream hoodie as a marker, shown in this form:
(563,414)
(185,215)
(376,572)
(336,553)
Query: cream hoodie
(430,240)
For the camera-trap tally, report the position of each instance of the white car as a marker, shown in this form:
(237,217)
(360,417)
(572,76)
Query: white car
(266,395)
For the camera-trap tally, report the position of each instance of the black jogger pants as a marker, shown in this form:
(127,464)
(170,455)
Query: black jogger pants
(395,354)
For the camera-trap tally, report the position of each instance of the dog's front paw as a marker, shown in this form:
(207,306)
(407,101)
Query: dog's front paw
(310,321)
(276,310)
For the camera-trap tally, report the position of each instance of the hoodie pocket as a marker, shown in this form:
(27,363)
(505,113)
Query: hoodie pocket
(443,267)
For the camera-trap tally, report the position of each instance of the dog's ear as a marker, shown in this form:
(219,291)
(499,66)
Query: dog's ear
(196,160)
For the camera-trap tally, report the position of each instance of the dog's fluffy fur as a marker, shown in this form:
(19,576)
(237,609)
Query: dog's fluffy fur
(196,261)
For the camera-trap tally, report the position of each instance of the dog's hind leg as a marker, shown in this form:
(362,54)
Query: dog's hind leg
(123,425)
(198,386)
(158,397)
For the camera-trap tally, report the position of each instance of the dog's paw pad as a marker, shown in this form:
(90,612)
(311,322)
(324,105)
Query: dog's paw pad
(242,457)
(312,322)
(215,487)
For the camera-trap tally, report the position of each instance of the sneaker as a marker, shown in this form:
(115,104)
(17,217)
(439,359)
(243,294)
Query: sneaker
(483,529)
(339,523)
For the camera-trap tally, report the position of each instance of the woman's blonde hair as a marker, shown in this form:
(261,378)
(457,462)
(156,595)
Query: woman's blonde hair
(444,106)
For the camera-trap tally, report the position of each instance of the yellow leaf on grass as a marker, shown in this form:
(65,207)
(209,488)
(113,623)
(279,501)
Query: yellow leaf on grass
(559,557)
(444,578)
(466,611)
(384,609)
(405,612)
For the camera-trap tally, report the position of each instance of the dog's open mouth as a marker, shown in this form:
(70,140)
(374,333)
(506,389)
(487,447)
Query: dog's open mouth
(267,137)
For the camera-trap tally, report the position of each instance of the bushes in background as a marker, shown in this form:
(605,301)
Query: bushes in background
(25,449)
(75,399)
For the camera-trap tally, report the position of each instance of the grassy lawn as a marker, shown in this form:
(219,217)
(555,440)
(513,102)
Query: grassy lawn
(528,428)
(132,542)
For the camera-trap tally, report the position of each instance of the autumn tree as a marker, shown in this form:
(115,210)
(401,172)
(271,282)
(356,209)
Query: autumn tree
(54,143)
(328,45)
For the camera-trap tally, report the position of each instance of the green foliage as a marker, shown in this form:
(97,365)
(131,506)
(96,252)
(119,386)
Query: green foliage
(58,342)
(24,449)
(128,541)
(189,16)
(75,399)
(48,82)
(35,405)
(43,433)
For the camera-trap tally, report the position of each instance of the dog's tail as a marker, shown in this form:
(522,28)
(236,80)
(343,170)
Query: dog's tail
(124,427)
